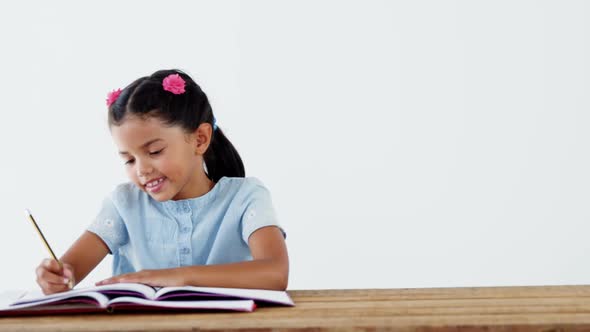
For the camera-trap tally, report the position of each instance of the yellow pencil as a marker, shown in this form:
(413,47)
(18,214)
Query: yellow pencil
(70,283)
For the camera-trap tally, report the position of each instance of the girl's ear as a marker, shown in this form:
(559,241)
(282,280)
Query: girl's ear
(203,138)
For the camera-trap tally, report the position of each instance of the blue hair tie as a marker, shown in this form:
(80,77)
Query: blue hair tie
(214,124)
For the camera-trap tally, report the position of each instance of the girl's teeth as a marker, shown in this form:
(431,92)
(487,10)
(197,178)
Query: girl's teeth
(154,183)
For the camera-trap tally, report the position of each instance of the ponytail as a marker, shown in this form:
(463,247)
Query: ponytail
(222,159)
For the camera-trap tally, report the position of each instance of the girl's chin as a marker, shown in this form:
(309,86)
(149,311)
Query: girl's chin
(160,197)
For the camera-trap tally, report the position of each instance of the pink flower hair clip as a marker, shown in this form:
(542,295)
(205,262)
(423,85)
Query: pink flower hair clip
(112,97)
(174,83)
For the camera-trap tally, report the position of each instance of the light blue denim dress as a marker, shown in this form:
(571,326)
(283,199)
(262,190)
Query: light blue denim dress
(143,233)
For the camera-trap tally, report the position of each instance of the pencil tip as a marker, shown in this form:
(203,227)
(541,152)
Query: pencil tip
(27,212)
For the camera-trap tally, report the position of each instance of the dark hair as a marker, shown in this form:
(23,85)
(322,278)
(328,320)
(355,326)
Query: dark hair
(146,97)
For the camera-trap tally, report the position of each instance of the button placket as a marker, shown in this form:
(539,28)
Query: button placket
(184,243)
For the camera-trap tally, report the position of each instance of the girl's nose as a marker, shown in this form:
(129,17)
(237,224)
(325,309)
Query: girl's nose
(143,169)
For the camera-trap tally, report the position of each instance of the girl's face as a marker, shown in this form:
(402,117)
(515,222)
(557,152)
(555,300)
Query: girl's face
(162,160)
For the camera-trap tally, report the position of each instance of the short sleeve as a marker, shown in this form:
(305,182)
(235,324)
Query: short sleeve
(259,212)
(109,226)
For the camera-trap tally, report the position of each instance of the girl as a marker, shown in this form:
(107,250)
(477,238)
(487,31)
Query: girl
(188,216)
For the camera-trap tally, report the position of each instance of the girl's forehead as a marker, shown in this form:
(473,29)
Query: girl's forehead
(133,132)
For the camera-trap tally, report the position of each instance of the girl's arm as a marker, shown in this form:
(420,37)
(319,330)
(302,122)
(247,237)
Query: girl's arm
(269,268)
(78,261)
(85,254)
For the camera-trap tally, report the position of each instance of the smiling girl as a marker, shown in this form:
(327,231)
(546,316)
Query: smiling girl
(188,216)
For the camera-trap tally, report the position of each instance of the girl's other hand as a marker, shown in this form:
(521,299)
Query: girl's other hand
(158,278)
(52,278)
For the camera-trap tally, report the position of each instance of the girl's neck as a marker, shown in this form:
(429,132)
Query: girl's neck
(199,185)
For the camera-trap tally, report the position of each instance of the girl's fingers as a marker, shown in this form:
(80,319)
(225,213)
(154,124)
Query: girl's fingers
(52,265)
(128,277)
(49,288)
(50,277)
(105,282)
(68,271)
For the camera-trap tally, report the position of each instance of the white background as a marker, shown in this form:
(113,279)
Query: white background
(406,144)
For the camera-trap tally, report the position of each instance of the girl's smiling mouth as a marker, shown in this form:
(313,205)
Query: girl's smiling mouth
(155,185)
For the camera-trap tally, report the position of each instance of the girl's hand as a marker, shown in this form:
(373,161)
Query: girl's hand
(163,277)
(52,278)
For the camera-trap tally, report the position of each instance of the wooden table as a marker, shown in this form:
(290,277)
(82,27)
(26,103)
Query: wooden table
(549,308)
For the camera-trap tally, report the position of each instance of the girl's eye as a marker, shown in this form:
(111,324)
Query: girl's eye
(156,152)
(129,162)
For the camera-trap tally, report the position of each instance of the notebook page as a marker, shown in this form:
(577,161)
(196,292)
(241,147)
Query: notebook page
(121,288)
(100,300)
(10,296)
(235,305)
(280,297)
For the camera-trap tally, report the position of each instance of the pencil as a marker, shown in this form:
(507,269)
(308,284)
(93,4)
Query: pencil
(70,282)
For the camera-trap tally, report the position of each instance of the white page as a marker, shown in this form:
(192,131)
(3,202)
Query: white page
(37,295)
(240,305)
(280,297)
(10,296)
(100,299)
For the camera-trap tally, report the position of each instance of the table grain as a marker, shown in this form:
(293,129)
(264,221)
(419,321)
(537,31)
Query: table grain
(527,308)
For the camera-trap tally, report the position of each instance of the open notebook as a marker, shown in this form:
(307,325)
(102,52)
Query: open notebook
(139,297)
